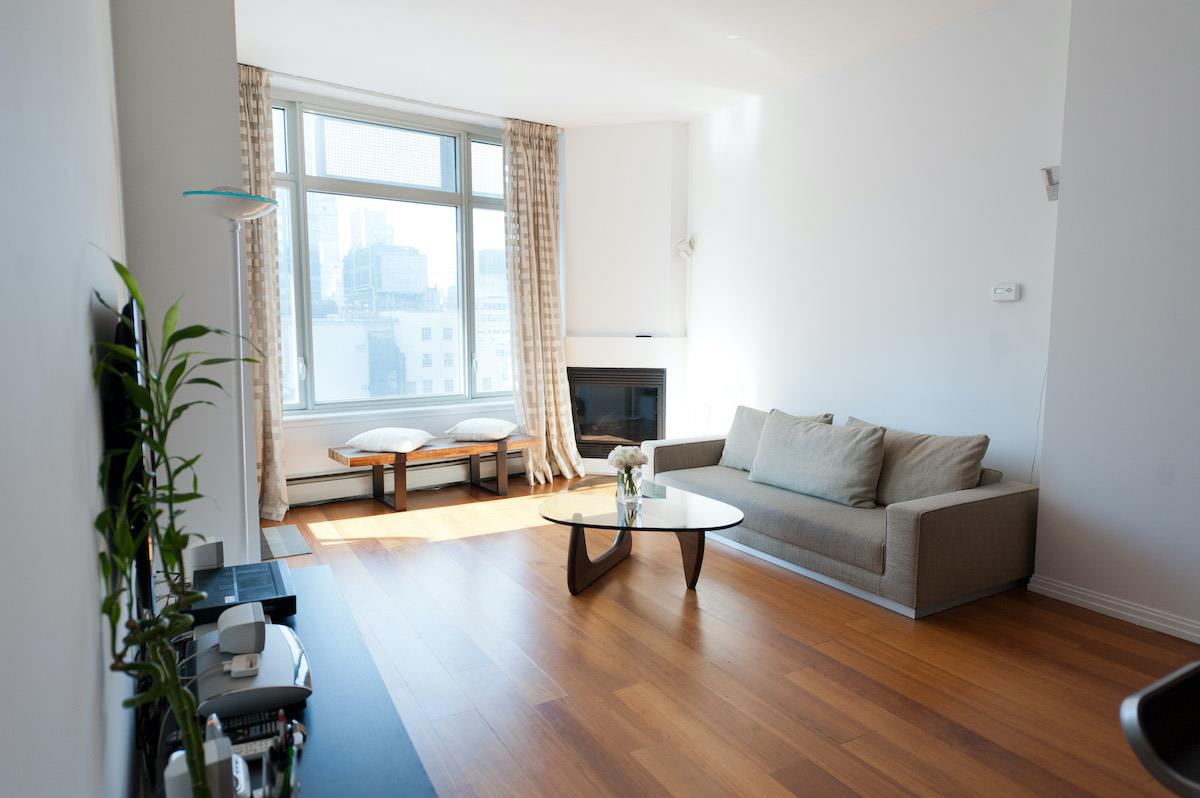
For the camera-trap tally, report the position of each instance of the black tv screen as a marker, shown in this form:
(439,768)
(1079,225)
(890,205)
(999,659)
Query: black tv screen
(118,411)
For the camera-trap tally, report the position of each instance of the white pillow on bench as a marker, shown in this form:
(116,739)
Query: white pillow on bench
(481,429)
(390,439)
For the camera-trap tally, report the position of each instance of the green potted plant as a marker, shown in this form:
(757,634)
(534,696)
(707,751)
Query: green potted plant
(147,506)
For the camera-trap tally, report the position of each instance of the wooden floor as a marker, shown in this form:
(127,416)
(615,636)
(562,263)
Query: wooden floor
(759,683)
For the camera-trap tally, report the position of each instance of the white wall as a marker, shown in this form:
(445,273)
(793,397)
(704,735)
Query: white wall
(176,72)
(849,230)
(624,204)
(65,732)
(1118,528)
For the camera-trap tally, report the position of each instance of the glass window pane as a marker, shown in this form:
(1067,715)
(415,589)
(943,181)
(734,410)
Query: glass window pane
(287,298)
(493,341)
(383,275)
(346,148)
(487,169)
(279,138)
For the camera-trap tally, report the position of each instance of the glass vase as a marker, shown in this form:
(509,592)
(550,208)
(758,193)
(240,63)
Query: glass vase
(629,485)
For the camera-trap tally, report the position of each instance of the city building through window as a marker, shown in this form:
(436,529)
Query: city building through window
(389,230)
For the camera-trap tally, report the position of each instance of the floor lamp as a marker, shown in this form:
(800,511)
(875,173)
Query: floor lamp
(237,206)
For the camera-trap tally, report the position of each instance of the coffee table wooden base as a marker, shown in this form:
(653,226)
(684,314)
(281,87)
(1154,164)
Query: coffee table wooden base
(582,570)
(691,545)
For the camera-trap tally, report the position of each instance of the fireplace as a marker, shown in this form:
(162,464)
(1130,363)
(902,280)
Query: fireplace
(616,407)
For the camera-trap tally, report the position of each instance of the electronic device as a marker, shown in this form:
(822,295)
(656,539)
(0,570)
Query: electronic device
(1006,292)
(225,771)
(282,677)
(250,734)
(242,629)
(269,583)
(205,556)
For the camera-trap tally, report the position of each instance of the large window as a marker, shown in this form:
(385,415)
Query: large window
(391,259)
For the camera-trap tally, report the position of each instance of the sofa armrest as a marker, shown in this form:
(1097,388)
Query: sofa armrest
(676,454)
(955,544)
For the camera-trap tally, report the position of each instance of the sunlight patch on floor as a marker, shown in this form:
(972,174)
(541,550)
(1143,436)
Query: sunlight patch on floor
(434,524)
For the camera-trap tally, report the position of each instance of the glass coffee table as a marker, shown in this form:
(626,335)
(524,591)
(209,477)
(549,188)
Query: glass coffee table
(663,509)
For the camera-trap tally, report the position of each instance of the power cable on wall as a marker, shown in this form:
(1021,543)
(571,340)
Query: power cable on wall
(1037,440)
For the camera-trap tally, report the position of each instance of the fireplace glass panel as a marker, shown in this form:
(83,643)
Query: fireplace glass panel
(615,407)
(616,415)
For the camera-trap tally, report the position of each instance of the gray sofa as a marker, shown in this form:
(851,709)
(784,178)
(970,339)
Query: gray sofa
(914,557)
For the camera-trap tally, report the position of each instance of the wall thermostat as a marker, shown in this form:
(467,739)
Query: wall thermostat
(1006,292)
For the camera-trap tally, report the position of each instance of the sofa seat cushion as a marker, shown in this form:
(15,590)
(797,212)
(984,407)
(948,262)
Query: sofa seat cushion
(851,535)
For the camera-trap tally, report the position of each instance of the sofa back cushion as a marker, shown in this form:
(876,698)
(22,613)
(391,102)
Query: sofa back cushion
(987,476)
(840,464)
(741,443)
(916,465)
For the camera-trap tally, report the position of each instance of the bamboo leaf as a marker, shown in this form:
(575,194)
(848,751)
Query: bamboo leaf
(118,350)
(175,375)
(170,320)
(187,333)
(139,395)
(130,283)
(204,381)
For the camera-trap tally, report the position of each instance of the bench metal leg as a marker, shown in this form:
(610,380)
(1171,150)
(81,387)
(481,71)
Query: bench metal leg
(399,500)
(401,478)
(501,488)
(502,467)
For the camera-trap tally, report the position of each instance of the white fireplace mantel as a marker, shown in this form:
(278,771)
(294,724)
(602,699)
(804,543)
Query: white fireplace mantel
(669,353)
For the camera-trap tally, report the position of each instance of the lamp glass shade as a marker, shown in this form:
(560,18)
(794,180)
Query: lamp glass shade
(233,204)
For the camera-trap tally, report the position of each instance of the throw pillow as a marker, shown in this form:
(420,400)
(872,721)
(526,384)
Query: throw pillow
(481,429)
(390,439)
(917,465)
(840,464)
(742,441)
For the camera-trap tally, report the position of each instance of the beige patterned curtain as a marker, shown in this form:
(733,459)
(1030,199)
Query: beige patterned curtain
(539,364)
(260,252)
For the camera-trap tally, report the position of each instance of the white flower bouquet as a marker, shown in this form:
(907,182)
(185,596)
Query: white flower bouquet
(628,460)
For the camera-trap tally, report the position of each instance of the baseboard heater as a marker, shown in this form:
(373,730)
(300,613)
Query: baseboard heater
(309,480)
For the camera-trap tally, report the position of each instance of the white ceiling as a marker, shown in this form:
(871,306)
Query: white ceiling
(572,63)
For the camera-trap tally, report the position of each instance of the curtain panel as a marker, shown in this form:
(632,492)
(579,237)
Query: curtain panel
(540,389)
(260,256)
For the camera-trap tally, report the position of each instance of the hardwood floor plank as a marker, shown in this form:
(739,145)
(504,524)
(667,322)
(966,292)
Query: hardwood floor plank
(901,764)
(923,746)
(600,750)
(486,765)
(954,706)
(760,682)
(737,772)
(679,775)
(808,780)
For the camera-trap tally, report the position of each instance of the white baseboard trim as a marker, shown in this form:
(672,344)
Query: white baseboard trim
(1140,614)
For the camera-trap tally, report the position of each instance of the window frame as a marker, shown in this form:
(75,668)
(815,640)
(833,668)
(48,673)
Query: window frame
(295,104)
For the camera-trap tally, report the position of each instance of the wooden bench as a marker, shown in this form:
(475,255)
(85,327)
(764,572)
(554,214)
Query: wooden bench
(436,449)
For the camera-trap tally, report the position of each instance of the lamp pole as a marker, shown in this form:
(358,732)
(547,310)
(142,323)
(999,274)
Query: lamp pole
(237,207)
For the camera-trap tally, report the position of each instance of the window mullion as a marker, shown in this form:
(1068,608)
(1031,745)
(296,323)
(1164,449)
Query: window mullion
(296,144)
(467,350)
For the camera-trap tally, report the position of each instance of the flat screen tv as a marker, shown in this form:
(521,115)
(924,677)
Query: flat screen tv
(117,413)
